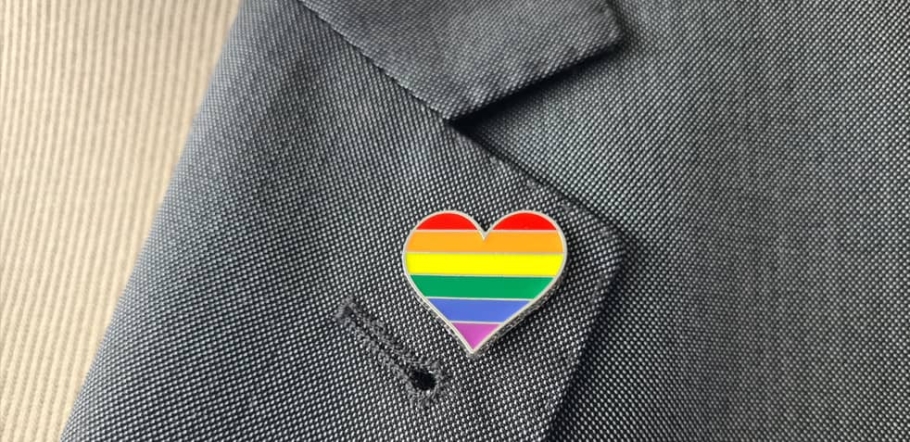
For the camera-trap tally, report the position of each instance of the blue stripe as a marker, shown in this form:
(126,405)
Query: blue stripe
(477,309)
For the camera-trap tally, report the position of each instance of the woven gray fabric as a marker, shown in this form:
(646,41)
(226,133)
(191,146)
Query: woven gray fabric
(754,157)
(458,56)
(270,303)
(757,158)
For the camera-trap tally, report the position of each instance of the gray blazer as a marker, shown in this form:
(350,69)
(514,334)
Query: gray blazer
(732,180)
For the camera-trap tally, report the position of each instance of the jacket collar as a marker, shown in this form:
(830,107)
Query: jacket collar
(460,56)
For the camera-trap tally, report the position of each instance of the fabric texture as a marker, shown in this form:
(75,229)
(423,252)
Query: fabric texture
(751,156)
(757,157)
(96,98)
(283,229)
(458,56)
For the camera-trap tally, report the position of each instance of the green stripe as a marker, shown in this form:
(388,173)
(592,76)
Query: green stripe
(476,287)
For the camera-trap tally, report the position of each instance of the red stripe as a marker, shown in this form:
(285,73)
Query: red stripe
(525,221)
(447,221)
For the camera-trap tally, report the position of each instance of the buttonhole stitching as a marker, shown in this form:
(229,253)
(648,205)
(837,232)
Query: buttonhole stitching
(424,380)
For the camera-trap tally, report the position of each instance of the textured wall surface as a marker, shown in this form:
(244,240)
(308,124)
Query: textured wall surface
(96,98)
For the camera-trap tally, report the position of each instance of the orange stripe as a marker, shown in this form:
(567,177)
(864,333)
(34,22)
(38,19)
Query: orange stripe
(496,242)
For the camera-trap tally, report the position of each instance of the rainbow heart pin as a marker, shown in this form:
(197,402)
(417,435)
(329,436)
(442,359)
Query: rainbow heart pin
(481,283)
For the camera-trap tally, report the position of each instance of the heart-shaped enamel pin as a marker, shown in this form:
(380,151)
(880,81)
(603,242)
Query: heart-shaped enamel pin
(481,283)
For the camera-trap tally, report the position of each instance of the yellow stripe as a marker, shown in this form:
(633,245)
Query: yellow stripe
(479,264)
(496,242)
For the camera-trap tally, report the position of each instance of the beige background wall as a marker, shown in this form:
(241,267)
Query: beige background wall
(96,97)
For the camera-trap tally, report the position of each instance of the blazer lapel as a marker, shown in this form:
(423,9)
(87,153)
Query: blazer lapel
(459,56)
(271,301)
